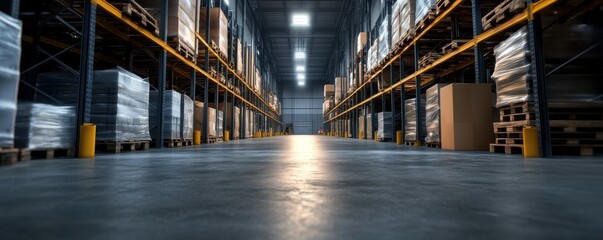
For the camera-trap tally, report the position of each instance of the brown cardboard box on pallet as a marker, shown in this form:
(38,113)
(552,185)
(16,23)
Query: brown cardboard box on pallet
(361,42)
(181,24)
(466,116)
(218,29)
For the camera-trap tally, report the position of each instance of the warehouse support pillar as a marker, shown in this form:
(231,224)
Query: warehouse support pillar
(86,69)
(478,50)
(539,83)
(162,75)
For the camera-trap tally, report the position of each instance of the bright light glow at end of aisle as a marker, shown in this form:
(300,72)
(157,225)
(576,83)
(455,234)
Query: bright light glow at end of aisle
(300,20)
(300,69)
(300,55)
(301,77)
(301,83)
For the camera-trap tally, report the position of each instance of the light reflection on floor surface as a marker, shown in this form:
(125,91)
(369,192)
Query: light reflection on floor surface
(307,187)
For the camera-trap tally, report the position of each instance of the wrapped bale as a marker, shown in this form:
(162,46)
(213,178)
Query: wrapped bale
(432,113)
(512,70)
(423,8)
(187,117)
(10,58)
(181,20)
(171,114)
(44,126)
(384,40)
(384,125)
(411,119)
(211,118)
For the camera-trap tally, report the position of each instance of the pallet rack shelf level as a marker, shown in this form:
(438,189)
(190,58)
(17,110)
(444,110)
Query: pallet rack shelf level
(525,15)
(109,8)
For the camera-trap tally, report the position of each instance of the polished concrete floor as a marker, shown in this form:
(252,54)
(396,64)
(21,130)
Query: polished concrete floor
(303,187)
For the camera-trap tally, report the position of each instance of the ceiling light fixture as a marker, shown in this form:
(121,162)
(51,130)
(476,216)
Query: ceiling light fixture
(300,55)
(301,77)
(300,20)
(300,69)
(301,83)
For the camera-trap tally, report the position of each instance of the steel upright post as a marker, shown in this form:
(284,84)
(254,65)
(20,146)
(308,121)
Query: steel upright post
(86,68)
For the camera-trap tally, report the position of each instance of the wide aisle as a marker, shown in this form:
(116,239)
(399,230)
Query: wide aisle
(308,187)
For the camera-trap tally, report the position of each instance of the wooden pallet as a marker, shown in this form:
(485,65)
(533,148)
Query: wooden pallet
(441,5)
(50,153)
(211,139)
(525,107)
(453,45)
(429,58)
(429,17)
(182,48)
(530,116)
(9,156)
(506,148)
(509,141)
(434,144)
(118,146)
(582,150)
(187,142)
(384,139)
(139,15)
(169,143)
(501,12)
(411,143)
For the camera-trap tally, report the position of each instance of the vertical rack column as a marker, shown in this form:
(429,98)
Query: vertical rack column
(86,68)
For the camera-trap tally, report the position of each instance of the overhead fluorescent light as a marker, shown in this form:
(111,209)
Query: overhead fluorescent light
(226,2)
(300,20)
(301,83)
(300,55)
(301,77)
(300,69)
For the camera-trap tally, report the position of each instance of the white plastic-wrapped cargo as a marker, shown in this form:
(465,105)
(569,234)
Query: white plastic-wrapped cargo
(383,40)
(187,117)
(211,119)
(45,126)
(10,58)
(369,126)
(120,101)
(512,70)
(384,125)
(423,7)
(373,55)
(220,124)
(171,114)
(432,113)
(120,106)
(407,17)
(411,119)
(249,126)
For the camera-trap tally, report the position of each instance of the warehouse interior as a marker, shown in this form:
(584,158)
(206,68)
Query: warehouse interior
(301,119)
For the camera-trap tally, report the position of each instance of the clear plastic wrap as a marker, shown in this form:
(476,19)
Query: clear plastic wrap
(45,126)
(237,124)
(512,70)
(120,101)
(411,119)
(383,40)
(373,55)
(171,114)
(423,7)
(432,113)
(181,15)
(369,126)
(384,125)
(407,17)
(187,117)
(10,58)
(220,123)
(249,127)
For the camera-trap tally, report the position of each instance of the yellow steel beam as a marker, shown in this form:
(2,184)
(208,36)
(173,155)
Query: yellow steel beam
(415,39)
(521,17)
(103,4)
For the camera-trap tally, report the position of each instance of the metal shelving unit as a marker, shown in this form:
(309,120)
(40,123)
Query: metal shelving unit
(459,15)
(93,20)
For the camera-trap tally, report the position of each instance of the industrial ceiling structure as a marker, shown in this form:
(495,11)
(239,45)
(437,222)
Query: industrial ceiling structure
(301,35)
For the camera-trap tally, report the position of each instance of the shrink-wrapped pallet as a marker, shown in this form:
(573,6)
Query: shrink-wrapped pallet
(411,119)
(512,70)
(432,113)
(172,104)
(423,7)
(360,42)
(384,41)
(187,116)
(384,125)
(10,58)
(407,18)
(218,29)
(45,126)
(120,101)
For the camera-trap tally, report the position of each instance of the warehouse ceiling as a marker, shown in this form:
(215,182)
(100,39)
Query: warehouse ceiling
(317,40)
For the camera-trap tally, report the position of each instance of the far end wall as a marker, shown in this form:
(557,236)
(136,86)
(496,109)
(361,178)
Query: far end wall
(302,107)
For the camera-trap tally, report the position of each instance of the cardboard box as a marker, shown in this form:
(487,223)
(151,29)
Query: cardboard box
(466,115)
(361,42)
(329,90)
(218,29)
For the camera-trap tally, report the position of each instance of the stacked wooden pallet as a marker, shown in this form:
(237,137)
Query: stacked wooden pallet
(139,15)
(503,11)
(429,58)
(118,146)
(453,45)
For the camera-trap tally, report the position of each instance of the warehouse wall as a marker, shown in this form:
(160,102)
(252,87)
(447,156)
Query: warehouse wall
(302,107)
